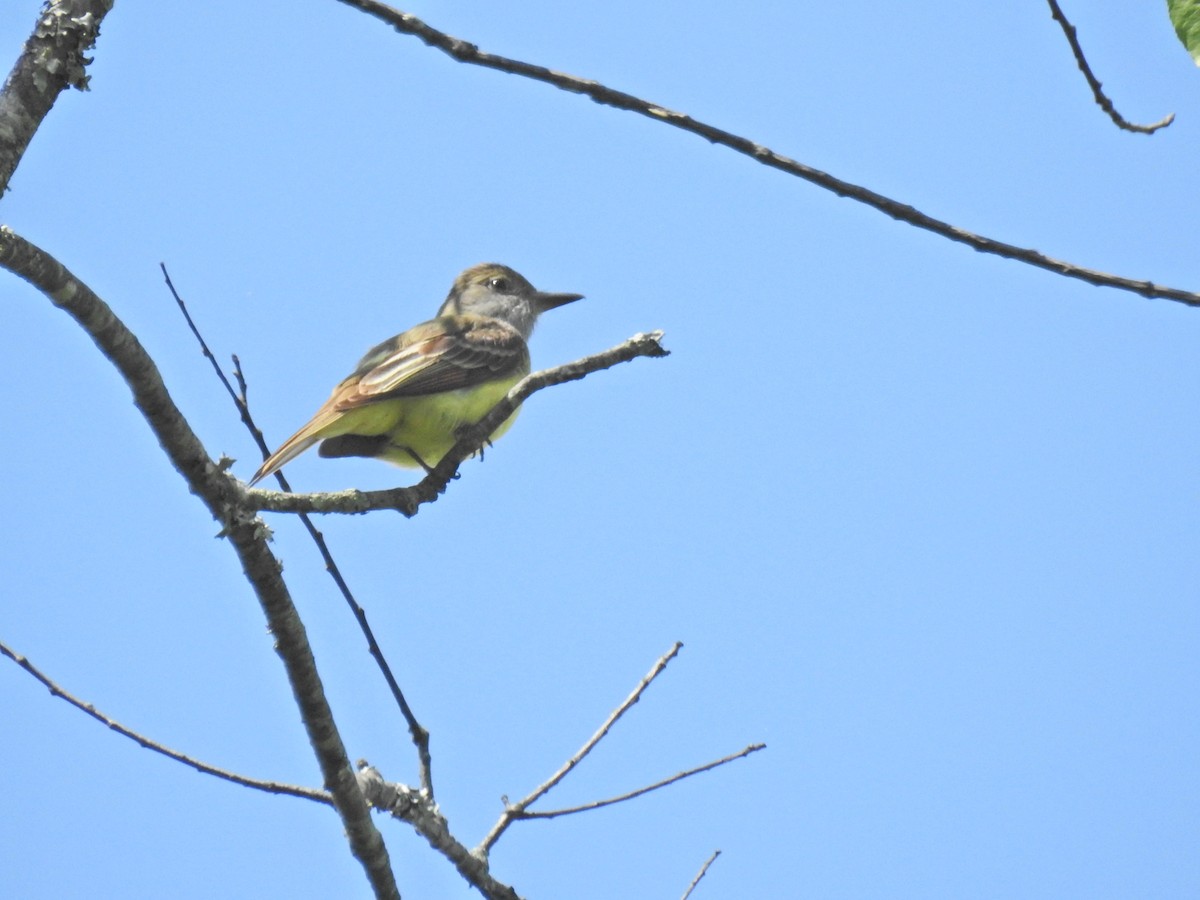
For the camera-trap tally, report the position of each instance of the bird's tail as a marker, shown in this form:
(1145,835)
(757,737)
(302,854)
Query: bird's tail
(292,447)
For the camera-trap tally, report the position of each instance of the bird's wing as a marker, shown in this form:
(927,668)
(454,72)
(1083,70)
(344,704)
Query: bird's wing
(443,354)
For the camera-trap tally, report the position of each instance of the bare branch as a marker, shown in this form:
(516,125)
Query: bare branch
(516,811)
(270,787)
(52,61)
(1097,89)
(419,734)
(466,52)
(700,875)
(408,500)
(621,798)
(221,494)
(422,813)
(239,399)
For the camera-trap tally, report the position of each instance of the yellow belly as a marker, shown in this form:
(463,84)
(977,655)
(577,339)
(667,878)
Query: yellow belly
(426,425)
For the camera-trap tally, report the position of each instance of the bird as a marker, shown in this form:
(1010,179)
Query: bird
(410,397)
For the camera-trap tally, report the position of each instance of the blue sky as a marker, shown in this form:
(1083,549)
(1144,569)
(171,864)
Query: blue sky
(924,519)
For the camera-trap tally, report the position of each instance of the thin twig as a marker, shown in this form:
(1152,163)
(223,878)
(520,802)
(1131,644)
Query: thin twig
(515,811)
(700,875)
(239,399)
(408,500)
(270,787)
(420,736)
(1094,83)
(621,798)
(469,53)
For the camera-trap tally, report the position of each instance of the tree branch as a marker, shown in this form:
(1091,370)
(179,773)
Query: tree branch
(1094,83)
(621,798)
(52,61)
(270,787)
(423,815)
(700,875)
(221,494)
(418,733)
(408,500)
(466,52)
(514,811)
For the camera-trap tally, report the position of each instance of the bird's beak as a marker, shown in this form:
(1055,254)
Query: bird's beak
(543,301)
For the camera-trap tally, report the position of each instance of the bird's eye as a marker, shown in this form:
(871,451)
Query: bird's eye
(499,283)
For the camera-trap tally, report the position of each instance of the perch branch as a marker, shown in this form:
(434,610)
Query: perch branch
(409,499)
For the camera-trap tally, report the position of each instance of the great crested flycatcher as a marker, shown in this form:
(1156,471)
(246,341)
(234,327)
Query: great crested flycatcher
(409,397)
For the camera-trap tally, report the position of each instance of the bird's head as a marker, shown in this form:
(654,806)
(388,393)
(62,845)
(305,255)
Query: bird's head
(490,289)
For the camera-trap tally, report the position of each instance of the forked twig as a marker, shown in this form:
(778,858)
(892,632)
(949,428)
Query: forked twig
(520,810)
(513,811)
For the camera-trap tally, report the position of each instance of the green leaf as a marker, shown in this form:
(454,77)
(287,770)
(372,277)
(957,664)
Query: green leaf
(1185,16)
